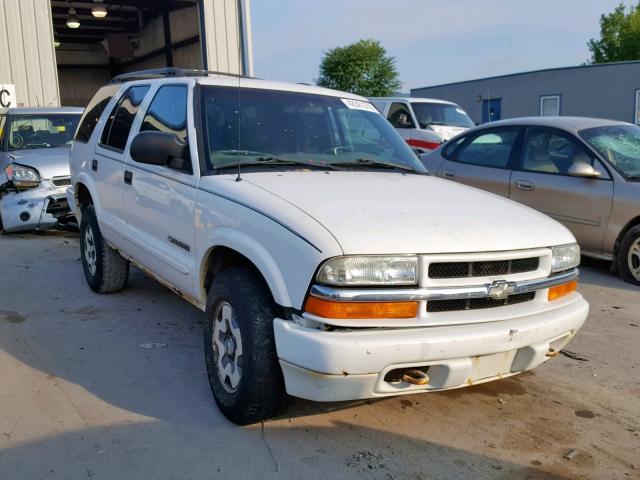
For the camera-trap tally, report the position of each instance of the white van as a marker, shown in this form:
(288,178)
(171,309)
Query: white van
(424,123)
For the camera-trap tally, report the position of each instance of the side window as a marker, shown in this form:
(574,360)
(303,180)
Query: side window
(168,111)
(94,110)
(450,148)
(550,151)
(400,116)
(116,130)
(489,149)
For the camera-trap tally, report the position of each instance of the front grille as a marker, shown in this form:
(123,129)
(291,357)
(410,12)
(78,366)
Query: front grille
(483,269)
(61,181)
(435,306)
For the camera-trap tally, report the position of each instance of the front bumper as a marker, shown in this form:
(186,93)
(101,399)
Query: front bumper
(352,364)
(37,208)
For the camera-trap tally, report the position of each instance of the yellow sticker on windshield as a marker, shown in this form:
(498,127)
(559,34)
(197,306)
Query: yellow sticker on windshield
(61,128)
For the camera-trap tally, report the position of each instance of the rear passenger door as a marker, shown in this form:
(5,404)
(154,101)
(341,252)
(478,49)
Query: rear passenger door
(107,164)
(482,159)
(541,181)
(159,201)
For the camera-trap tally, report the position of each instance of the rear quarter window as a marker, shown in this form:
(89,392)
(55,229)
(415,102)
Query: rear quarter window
(93,112)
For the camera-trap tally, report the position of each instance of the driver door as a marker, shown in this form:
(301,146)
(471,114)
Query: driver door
(159,201)
(541,181)
(400,117)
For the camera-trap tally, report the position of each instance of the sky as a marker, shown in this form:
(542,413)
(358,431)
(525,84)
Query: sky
(433,41)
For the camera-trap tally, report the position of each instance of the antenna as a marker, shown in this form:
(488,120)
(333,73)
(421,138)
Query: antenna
(240,73)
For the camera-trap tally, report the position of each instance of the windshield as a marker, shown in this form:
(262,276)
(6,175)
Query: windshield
(429,114)
(619,145)
(42,131)
(268,128)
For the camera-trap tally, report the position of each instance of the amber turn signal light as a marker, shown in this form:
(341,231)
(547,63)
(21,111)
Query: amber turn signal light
(562,290)
(351,310)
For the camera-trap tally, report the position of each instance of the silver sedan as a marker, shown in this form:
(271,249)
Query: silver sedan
(34,166)
(583,172)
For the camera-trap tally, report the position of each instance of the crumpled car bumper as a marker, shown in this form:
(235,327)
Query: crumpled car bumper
(38,208)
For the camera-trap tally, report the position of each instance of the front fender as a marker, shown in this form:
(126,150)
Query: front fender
(256,253)
(87,180)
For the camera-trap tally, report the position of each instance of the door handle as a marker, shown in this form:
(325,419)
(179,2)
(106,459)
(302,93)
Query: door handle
(128,177)
(447,174)
(525,185)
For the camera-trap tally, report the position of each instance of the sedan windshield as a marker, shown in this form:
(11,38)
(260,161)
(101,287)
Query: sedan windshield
(42,131)
(619,145)
(271,128)
(429,114)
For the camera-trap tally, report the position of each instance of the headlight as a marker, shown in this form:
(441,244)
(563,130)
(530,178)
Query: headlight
(565,257)
(370,271)
(21,176)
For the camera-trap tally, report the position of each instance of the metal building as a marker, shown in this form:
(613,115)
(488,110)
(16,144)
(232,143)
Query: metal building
(59,52)
(609,90)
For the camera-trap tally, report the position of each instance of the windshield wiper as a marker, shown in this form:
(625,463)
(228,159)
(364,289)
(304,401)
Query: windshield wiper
(271,160)
(368,163)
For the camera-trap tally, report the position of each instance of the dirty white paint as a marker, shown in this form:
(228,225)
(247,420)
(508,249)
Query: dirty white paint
(27,54)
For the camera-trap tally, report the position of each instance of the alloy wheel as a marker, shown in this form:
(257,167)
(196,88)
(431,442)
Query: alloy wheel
(227,346)
(633,259)
(90,253)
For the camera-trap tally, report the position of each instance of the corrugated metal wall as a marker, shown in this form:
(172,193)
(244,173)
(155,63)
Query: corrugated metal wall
(603,90)
(27,54)
(225,35)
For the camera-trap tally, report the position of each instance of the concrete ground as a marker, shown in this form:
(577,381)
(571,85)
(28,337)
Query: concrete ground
(114,387)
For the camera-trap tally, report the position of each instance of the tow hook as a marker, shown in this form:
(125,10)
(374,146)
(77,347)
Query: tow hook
(415,377)
(552,353)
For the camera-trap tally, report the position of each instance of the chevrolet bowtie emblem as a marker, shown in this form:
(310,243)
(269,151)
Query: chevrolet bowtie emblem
(500,289)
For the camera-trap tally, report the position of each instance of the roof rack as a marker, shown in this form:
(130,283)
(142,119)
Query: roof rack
(169,72)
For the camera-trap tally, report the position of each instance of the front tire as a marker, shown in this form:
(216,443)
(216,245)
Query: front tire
(629,256)
(240,352)
(105,270)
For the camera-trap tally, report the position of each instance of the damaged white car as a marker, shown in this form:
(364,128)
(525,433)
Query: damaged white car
(34,166)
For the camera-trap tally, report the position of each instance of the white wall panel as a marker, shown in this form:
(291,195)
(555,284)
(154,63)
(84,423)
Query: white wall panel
(27,54)
(223,36)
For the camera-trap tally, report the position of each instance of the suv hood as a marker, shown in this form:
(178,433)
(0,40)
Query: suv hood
(49,162)
(386,213)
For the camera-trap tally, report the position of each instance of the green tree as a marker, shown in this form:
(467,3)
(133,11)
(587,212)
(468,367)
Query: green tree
(363,68)
(619,36)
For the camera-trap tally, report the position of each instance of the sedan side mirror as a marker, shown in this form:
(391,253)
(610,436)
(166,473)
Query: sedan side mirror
(159,148)
(581,169)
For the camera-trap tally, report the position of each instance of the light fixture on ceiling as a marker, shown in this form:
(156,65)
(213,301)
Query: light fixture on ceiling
(99,11)
(56,42)
(72,20)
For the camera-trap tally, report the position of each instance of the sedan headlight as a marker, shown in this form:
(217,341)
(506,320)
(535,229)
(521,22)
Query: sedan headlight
(370,270)
(565,257)
(21,176)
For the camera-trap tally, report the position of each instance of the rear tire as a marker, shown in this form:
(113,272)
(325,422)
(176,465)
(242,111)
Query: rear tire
(629,256)
(239,346)
(104,268)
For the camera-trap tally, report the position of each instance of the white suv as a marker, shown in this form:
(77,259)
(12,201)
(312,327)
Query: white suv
(328,264)
(424,123)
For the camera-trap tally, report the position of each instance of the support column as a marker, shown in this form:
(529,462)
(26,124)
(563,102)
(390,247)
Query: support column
(168,44)
(225,33)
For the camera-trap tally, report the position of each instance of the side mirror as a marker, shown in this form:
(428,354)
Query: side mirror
(581,169)
(159,148)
